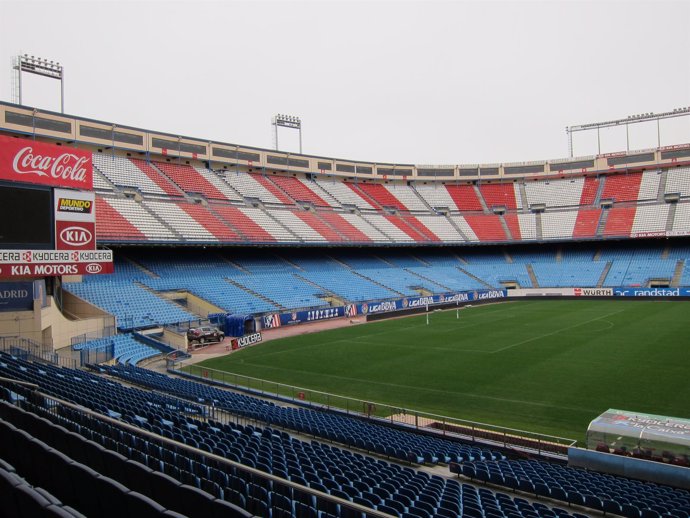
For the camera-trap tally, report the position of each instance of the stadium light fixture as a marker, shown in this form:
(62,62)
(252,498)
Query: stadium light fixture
(40,67)
(287,121)
(630,119)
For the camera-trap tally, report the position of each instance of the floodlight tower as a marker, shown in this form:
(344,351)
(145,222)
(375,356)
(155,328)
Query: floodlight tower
(287,121)
(39,67)
(630,119)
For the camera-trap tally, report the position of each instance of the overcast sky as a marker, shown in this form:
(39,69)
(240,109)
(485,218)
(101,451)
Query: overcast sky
(424,82)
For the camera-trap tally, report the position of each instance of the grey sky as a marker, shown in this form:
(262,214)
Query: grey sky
(424,82)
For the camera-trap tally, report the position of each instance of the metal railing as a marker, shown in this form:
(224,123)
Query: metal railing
(382,413)
(27,349)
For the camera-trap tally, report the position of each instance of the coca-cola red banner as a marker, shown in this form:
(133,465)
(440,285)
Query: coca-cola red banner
(46,164)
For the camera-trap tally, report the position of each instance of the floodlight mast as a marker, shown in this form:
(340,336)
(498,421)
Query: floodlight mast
(39,67)
(630,119)
(287,121)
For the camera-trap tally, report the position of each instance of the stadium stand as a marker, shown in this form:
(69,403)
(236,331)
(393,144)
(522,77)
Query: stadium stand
(297,190)
(344,227)
(622,187)
(209,221)
(586,223)
(345,193)
(138,217)
(113,226)
(485,227)
(124,173)
(619,221)
(354,477)
(650,219)
(557,225)
(407,196)
(501,195)
(555,193)
(245,225)
(316,233)
(589,190)
(317,222)
(179,220)
(297,226)
(465,197)
(249,187)
(603,493)
(191,180)
(678,181)
(154,175)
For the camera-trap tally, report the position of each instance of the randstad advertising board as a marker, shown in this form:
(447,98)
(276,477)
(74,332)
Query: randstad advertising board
(651,292)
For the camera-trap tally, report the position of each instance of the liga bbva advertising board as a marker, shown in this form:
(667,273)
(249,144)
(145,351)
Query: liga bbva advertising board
(75,220)
(34,162)
(274,320)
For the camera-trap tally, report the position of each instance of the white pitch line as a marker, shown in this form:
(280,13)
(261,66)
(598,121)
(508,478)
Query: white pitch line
(555,332)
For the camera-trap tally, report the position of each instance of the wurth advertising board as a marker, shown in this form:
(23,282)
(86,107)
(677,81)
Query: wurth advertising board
(23,160)
(75,220)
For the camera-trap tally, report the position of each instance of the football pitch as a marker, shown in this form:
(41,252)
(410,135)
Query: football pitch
(540,366)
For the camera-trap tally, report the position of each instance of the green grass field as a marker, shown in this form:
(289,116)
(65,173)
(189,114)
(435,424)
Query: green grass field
(542,366)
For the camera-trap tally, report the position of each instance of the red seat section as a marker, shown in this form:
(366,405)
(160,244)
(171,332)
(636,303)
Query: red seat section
(487,227)
(319,225)
(190,180)
(497,194)
(622,187)
(210,222)
(589,191)
(156,177)
(344,227)
(379,194)
(243,223)
(297,190)
(402,225)
(586,222)
(620,221)
(110,224)
(513,225)
(420,227)
(273,189)
(464,197)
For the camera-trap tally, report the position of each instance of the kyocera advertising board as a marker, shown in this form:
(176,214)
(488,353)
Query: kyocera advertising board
(38,263)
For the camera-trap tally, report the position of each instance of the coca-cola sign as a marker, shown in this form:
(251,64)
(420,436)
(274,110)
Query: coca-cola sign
(37,162)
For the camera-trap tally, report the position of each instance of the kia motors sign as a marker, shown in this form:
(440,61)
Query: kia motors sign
(38,263)
(29,161)
(50,269)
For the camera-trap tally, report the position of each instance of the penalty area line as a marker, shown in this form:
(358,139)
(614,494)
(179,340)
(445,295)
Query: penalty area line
(555,332)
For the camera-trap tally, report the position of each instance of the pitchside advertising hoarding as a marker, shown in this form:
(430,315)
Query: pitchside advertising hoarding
(369,308)
(70,171)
